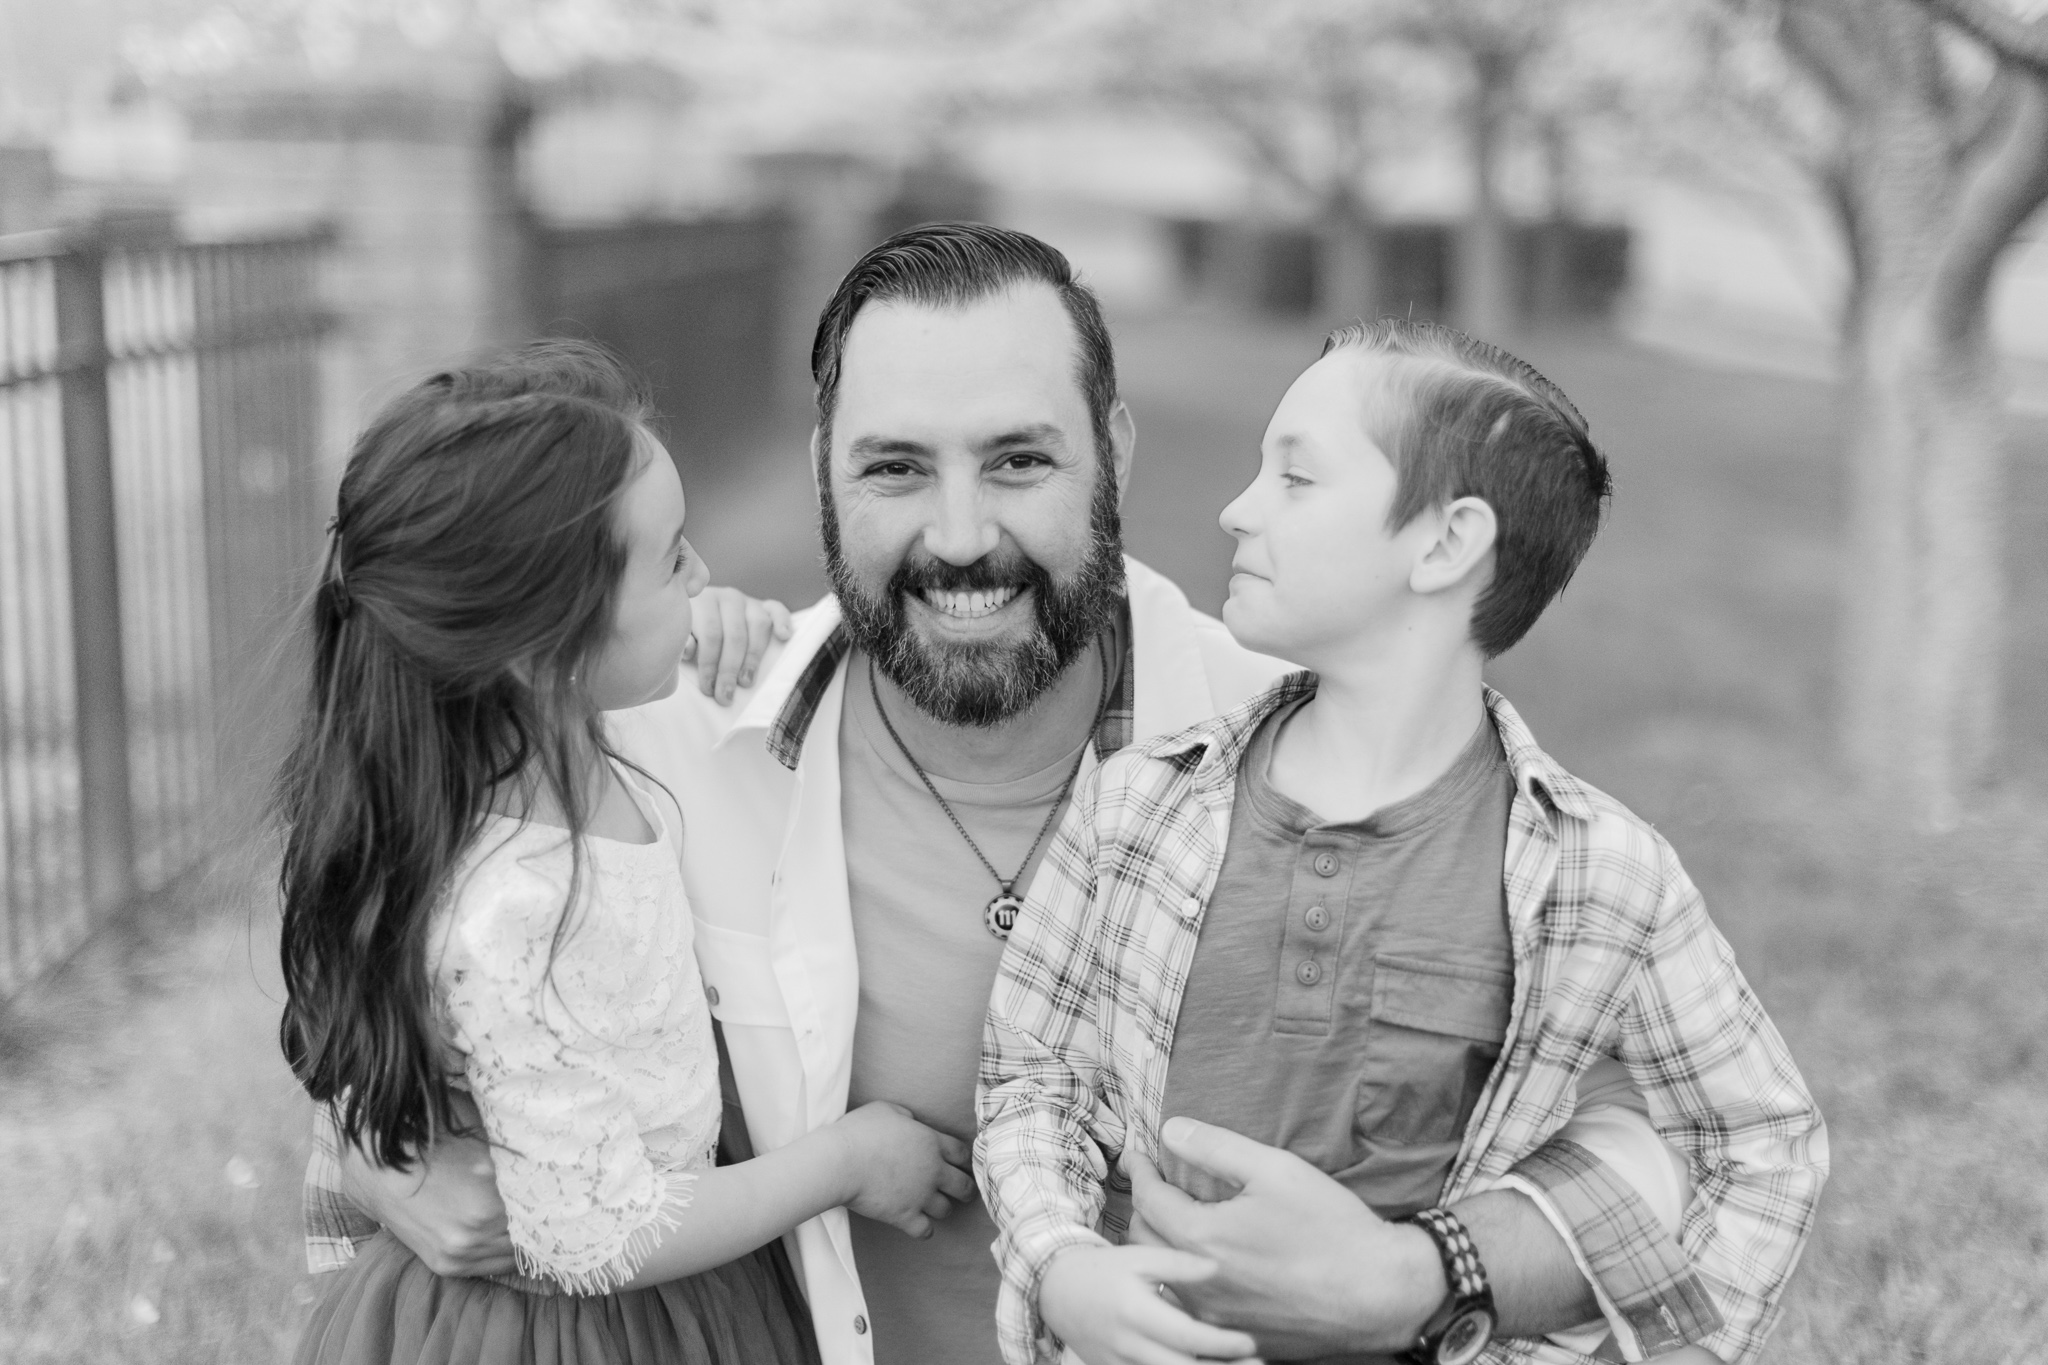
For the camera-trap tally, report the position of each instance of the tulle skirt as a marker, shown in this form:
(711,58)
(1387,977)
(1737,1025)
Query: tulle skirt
(387,1308)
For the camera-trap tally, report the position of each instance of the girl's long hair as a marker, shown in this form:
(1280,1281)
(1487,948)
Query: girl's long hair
(472,567)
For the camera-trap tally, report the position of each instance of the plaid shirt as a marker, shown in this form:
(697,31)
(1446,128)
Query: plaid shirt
(1613,952)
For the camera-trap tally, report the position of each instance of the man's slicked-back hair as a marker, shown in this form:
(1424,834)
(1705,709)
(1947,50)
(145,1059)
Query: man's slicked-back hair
(1461,418)
(950,265)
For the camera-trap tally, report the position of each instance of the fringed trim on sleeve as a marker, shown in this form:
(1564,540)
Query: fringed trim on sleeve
(677,1191)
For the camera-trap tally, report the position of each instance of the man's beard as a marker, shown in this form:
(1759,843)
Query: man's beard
(983,683)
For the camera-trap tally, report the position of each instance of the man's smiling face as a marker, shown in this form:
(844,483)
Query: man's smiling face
(970,525)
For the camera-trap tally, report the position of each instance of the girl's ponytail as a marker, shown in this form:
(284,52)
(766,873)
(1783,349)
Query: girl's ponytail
(470,571)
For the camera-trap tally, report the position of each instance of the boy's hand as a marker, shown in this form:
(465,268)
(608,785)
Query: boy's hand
(445,1209)
(1106,1304)
(1301,1263)
(731,632)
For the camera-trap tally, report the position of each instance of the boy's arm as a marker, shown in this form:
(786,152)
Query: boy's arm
(1723,1089)
(1039,1154)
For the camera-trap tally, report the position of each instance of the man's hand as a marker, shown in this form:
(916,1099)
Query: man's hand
(1105,1304)
(730,633)
(1301,1263)
(445,1209)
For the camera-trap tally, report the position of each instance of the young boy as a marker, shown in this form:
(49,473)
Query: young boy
(1363,917)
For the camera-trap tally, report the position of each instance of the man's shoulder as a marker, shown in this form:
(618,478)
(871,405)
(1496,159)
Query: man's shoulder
(1231,673)
(687,724)
(1236,674)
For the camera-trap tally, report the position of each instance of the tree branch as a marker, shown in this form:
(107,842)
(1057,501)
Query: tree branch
(1978,127)
(2023,42)
(2010,185)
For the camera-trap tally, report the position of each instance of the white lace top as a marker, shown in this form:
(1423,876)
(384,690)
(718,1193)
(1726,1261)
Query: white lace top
(597,1078)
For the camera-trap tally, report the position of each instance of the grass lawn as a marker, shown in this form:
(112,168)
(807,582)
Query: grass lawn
(150,1141)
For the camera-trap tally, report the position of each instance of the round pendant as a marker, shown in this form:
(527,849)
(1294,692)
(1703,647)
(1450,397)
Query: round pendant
(1001,915)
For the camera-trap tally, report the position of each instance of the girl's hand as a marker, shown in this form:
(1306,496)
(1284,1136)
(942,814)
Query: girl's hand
(1105,1303)
(731,633)
(899,1171)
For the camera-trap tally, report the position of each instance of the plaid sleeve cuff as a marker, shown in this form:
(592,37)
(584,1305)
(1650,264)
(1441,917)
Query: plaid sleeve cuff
(1025,1259)
(335,1227)
(1636,1267)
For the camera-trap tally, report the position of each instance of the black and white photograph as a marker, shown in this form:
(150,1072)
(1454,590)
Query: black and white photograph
(1023,682)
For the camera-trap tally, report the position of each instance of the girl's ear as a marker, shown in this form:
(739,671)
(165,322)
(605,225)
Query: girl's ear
(1466,530)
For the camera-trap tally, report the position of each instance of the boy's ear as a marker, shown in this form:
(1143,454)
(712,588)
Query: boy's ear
(1466,530)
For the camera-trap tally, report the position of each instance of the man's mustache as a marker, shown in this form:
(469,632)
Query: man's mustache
(990,573)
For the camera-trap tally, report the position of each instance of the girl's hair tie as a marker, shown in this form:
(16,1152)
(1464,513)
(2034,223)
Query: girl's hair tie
(334,576)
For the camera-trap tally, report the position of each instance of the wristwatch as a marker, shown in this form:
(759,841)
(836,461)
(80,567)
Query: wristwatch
(1463,1324)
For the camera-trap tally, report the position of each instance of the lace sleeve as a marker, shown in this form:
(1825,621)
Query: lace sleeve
(584,1200)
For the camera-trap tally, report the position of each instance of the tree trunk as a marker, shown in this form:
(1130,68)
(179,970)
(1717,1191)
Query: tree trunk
(1923,575)
(1552,298)
(1483,299)
(1921,648)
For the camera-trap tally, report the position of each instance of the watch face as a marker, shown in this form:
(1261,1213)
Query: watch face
(1466,1337)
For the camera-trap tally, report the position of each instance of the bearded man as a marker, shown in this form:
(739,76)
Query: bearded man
(863,824)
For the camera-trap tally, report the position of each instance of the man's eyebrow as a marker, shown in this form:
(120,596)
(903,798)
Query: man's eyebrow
(866,447)
(1036,434)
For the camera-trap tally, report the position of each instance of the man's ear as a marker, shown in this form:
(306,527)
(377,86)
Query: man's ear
(1123,440)
(1466,530)
(817,465)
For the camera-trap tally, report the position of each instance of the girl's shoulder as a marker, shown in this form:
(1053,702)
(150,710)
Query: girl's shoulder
(508,891)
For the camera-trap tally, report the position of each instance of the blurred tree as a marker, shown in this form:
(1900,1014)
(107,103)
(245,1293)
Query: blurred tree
(1500,45)
(1295,86)
(1317,96)
(1930,158)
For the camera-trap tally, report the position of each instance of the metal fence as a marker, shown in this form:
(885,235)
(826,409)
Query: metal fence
(158,502)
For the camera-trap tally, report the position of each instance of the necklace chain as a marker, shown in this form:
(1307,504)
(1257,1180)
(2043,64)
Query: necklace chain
(1059,802)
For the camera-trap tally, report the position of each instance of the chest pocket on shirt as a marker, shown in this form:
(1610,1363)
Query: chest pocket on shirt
(1437,1030)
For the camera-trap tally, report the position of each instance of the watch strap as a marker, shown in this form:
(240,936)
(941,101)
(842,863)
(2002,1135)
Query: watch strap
(1469,1293)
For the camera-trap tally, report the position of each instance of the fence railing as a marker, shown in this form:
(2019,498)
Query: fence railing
(158,492)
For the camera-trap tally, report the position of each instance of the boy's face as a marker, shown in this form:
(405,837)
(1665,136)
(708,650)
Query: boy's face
(1317,570)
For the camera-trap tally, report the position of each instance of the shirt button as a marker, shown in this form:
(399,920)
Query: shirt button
(711,994)
(860,1325)
(1326,864)
(1309,972)
(1315,918)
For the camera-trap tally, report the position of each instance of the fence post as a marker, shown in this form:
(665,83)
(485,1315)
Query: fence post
(105,815)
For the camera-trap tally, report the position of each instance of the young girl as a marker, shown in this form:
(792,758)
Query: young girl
(480,897)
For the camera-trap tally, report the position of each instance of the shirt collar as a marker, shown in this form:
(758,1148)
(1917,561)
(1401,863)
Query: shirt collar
(1537,775)
(1216,747)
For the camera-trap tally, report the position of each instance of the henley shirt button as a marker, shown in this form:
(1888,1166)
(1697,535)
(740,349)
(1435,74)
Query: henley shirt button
(1326,864)
(1316,918)
(711,994)
(1309,972)
(860,1325)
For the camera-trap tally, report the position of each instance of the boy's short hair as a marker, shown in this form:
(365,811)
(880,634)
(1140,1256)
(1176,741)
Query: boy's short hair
(1477,422)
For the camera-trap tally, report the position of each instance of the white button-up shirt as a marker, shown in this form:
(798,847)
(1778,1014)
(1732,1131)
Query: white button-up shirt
(765,865)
